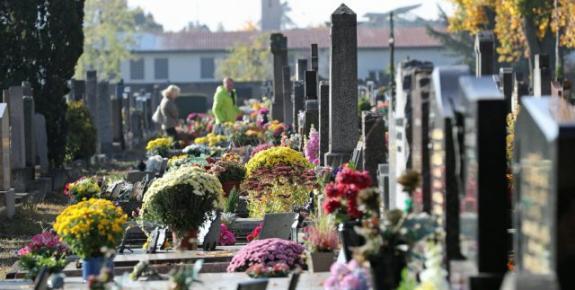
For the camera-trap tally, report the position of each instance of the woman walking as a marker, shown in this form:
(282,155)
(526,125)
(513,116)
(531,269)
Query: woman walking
(167,113)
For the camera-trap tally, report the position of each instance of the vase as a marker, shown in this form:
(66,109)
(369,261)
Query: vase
(321,261)
(93,266)
(187,241)
(386,270)
(349,238)
(229,185)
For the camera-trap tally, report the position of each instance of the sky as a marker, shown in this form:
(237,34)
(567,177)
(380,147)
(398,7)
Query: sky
(233,14)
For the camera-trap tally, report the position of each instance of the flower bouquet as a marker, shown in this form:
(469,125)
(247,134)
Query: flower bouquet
(321,240)
(212,140)
(278,179)
(261,271)
(159,146)
(82,189)
(268,253)
(341,195)
(347,277)
(255,234)
(45,250)
(227,238)
(183,199)
(87,227)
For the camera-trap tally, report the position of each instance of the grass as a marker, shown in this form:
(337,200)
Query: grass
(28,221)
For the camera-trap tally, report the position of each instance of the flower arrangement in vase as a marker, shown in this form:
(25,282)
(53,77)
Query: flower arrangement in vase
(159,146)
(278,180)
(82,189)
(89,226)
(341,195)
(44,250)
(227,238)
(321,240)
(311,149)
(182,200)
(267,252)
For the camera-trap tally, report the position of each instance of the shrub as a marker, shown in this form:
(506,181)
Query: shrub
(81,140)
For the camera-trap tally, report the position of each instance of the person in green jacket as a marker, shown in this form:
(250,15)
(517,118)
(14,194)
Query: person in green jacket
(224,108)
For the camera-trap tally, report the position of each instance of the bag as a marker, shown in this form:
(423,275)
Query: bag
(157,117)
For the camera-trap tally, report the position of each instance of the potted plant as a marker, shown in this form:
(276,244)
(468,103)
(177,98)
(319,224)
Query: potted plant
(182,200)
(267,252)
(159,146)
(230,173)
(82,189)
(89,226)
(321,240)
(45,250)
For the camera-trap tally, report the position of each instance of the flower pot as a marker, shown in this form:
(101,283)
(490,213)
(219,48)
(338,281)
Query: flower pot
(321,261)
(229,185)
(93,266)
(185,242)
(349,238)
(386,270)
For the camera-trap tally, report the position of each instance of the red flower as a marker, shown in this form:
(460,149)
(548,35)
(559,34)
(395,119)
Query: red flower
(255,234)
(331,205)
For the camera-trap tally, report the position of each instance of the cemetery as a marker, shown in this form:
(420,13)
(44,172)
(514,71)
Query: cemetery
(448,177)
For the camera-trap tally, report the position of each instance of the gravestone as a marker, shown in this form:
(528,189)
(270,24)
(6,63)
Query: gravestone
(446,178)
(105,134)
(29,132)
(541,76)
(116,117)
(323,120)
(77,90)
(277,225)
(383,185)
(520,89)
(544,214)
(506,85)
(6,190)
(419,133)
(41,144)
(357,155)
(373,135)
(15,105)
(311,85)
(91,96)
(311,108)
(298,102)
(485,204)
(343,130)
(314,57)
(188,104)
(485,53)
(279,52)
(301,69)
(288,104)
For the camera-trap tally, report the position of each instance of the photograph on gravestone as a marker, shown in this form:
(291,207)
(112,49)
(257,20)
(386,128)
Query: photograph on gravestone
(544,204)
(445,174)
(485,204)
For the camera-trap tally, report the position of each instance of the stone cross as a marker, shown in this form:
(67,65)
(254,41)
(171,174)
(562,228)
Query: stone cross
(287,94)
(323,119)
(343,133)
(301,69)
(279,52)
(298,101)
(484,53)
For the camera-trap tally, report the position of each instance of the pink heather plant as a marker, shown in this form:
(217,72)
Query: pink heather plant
(227,238)
(347,277)
(311,149)
(268,252)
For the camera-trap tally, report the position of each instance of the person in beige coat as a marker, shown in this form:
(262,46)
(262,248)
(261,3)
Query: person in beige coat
(168,111)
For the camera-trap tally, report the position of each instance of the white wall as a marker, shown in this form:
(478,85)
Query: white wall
(186,66)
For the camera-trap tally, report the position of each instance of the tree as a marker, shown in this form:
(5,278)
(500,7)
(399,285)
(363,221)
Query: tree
(286,21)
(108,29)
(523,27)
(247,62)
(41,41)
(459,43)
(145,22)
